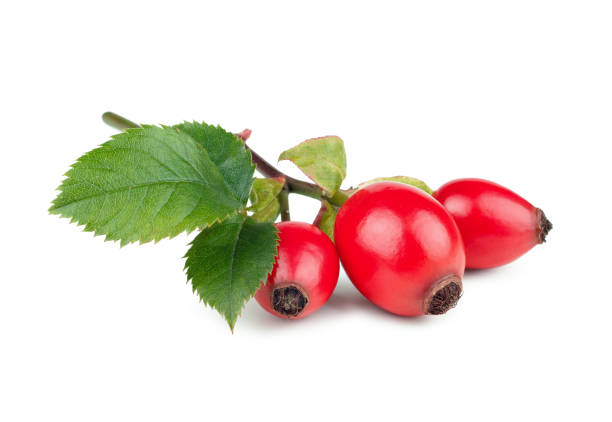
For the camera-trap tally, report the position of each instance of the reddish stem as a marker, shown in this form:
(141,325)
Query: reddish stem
(294,185)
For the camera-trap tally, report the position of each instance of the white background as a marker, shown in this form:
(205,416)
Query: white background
(517,92)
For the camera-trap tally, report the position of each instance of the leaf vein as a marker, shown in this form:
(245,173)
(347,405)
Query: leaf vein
(124,188)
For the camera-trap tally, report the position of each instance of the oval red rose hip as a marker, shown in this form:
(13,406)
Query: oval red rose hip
(401,249)
(496,224)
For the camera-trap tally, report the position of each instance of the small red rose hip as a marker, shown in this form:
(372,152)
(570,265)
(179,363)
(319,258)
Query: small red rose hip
(401,249)
(305,272)
(496,224)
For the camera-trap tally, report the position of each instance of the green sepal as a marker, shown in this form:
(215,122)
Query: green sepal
(401,179)
(227,263)
(323,160)
(326,219)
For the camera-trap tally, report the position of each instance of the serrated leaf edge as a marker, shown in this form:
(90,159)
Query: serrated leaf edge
(425,187)
(239,142)
(53,210)
(239,313)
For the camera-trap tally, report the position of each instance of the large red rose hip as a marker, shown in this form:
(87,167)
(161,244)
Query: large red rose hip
(496,224)
(401,249)
(305,272)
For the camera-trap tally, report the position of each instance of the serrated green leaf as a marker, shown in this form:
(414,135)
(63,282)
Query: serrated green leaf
(228,262)
(326,219)
(401,179)
(228,153)
(145,184)
(323,160)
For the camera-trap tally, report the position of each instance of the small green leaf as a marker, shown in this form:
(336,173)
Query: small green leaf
(228,153)
(401,179)
(265,191)
(326,219)
(145,184)
(323,160)
(269,214)
(228,262)
(264,199)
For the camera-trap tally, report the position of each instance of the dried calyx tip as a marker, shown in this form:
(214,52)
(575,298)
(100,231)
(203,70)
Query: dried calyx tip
(444,296)
(544,225)
(289,300)
(244,135)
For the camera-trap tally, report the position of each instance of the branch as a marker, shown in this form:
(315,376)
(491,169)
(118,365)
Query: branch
(268,170)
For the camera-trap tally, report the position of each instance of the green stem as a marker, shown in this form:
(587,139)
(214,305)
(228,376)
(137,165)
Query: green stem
(283,199)
(339,198)
(118,122)
(293,185)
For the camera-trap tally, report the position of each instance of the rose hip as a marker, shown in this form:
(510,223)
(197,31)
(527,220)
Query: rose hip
(305,272)
(496,224)
(401,249)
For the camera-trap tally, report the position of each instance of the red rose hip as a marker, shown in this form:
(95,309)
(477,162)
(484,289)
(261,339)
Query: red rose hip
(305,272)
(401,249)
(496,224)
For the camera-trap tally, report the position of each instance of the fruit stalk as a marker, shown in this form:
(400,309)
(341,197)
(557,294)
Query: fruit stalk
(283,199)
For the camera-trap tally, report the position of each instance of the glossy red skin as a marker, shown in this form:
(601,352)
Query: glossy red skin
(395,242)
(496,224)
(306,258)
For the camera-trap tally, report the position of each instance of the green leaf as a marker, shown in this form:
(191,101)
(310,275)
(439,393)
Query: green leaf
(228,153)
(145,184)
(265,191)
(269,213)
(401,179)
(326,219)
(228,262)
(323,160)
(264,199)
